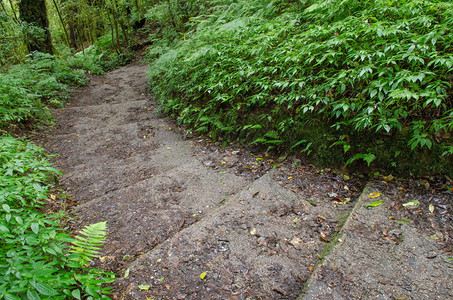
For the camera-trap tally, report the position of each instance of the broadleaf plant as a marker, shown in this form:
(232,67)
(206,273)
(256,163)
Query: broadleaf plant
(376,71)
(35,261)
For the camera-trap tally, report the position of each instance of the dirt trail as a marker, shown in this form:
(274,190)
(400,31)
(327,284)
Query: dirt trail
(189,220)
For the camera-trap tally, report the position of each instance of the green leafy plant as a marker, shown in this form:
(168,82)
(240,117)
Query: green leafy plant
(376,71)
(29,89)
(367,157)
(35,261)
(87,244)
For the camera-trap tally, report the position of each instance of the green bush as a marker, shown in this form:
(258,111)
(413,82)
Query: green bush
(28,89)
(35,261)
(268,72)
(17,103)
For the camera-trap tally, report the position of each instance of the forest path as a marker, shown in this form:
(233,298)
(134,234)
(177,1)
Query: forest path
(190,220)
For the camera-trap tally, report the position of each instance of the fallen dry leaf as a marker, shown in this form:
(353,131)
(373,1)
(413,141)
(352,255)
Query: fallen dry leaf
(144,287)
(283,245)
(412,203)
(297,242)
(323,236)
(203,275)
(374,204)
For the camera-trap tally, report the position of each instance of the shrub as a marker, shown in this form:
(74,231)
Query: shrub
(267,72)
(44,80)
(35,261)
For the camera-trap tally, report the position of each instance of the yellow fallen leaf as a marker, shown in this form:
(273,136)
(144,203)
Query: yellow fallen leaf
(203,275)
(126,274)
(413,202)
(144,287)
(374,204)
(431,208)
(291,177)
(169,128)
(345,200)
(144,136)
(374,195)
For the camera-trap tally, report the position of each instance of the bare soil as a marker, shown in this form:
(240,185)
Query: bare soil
(189,219)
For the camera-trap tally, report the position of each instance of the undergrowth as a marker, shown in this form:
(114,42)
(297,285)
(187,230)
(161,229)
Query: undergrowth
(35,261)
(38,258)
(28,90)
(342,81)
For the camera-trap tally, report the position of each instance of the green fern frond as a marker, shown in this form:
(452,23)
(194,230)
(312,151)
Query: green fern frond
(88,243)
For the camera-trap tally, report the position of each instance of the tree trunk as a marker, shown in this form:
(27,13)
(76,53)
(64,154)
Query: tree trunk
(34,13)
(63,25)
(12,9)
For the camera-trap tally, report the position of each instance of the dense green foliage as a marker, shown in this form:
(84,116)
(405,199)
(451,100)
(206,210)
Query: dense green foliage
(35,261)
(345,82)
(44,80)
(355,79)
(73,24)
(38,259)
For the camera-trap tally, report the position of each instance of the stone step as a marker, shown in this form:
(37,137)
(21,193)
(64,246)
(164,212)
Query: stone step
(249,247)
(380,257)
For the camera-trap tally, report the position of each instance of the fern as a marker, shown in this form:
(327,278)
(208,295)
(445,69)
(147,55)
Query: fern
(88,243)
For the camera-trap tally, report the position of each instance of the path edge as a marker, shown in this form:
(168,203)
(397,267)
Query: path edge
(338,242)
